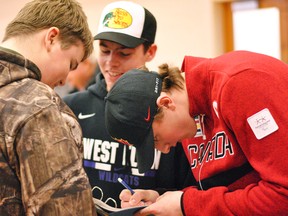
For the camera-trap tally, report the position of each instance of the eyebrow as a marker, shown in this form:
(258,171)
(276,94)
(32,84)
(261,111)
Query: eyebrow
(119,48)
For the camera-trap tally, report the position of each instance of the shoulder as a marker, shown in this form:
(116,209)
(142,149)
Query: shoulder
(76,97)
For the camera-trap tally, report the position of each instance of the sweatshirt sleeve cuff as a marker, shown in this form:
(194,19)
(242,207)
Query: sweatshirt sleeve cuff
(182,204)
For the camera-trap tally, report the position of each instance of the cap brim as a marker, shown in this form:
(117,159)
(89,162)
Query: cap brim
(145,153)
(123,39)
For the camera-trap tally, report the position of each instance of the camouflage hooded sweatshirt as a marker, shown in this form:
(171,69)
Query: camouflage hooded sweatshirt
(41,169)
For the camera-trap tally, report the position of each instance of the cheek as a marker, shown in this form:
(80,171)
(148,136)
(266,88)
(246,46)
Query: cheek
(60,65)
(58,72)
(133,64)
(101,61)
(159,132)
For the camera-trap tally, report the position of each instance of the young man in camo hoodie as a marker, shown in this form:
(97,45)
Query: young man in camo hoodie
(41,169)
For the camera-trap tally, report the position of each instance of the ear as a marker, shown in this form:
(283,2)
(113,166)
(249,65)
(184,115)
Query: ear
(50,37)
(165,102)
(151,52)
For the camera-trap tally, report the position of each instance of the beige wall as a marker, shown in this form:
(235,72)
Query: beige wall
(185,27)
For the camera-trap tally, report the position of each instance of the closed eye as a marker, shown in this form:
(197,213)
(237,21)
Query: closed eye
(73,65)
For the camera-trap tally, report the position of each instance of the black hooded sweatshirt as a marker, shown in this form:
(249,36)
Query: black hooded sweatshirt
(105,159)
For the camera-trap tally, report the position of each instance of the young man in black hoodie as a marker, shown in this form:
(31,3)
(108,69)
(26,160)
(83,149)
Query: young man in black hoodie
(126,38)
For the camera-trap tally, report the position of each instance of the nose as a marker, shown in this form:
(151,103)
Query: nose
(112,59)
(163,147)
(62,83)
(167,148)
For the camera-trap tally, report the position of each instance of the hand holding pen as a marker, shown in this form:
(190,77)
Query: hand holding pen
(126,185)
(136,197)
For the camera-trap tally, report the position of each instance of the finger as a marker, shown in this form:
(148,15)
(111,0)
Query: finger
(125,195)
(125,204)
(136,198)
(146,211)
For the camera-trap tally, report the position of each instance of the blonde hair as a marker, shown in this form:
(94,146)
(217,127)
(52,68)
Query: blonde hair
(66,15)
(171,79)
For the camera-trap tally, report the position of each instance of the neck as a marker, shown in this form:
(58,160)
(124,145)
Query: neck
(25,45)
(182,100)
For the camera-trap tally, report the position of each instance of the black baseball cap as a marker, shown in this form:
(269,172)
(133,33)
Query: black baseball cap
(126,23)
(130,108)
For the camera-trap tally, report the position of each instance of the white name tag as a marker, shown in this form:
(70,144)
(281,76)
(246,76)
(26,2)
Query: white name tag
(262,123)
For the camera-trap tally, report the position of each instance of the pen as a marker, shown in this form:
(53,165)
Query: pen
(126,185)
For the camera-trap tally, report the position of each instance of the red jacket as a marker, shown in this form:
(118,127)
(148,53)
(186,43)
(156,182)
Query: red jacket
(239,155)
